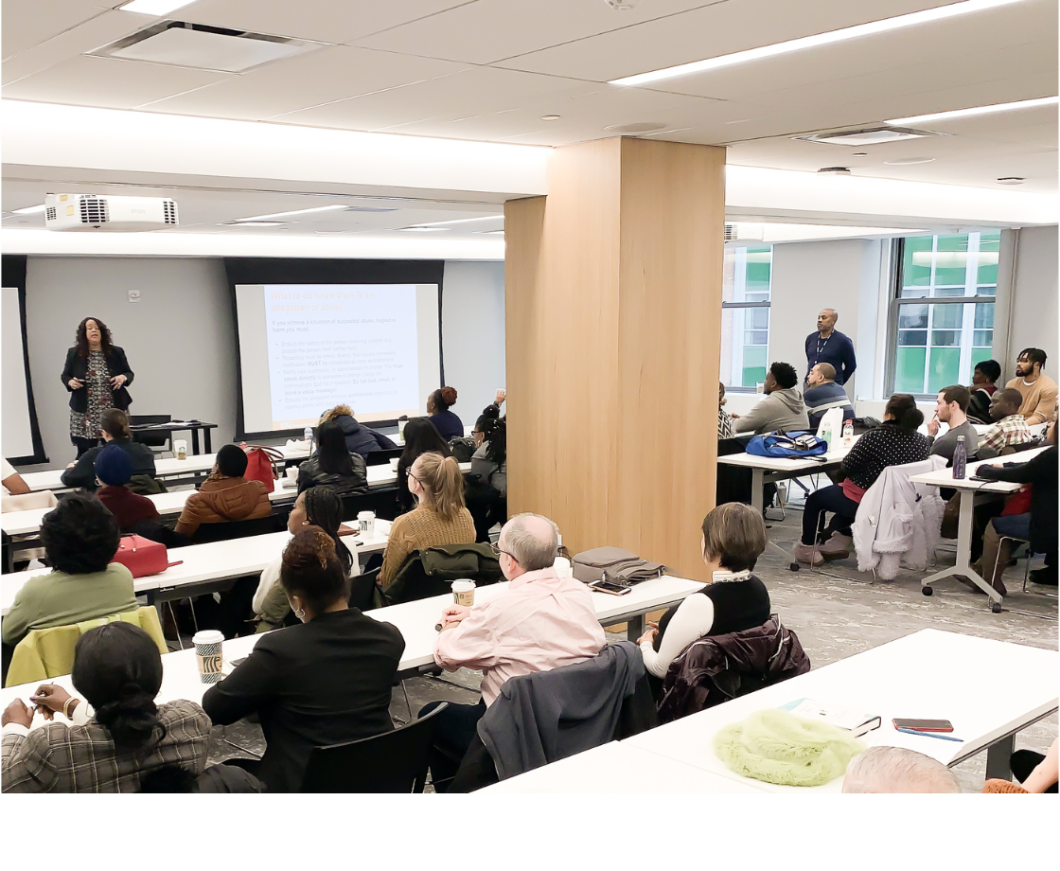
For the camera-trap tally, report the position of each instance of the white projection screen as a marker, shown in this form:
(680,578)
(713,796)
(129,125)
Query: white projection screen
(304,348)
(17,432)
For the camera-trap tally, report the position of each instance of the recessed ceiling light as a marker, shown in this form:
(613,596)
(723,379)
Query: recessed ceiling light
(251,224)
(814,41)
(861,154)
(1012,179)
(459,221)
(490,232)
(295,212)
(908,161)
(154,7)
(637,127)
(834,170)
(423,229)
(976,110)
(550,117)
(29,210)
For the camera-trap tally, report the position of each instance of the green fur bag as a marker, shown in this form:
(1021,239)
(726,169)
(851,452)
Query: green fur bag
(778,747)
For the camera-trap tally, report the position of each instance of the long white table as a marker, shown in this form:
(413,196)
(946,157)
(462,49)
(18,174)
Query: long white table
(968,490)
(989,690)
(416,622)
(642,772)
(772,469)
(28,522)
(205,566)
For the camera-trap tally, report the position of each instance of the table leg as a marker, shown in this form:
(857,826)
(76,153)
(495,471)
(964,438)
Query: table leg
(195,442)
(963,567)
(757,486)
(635,628)
(998,756)
(206,440)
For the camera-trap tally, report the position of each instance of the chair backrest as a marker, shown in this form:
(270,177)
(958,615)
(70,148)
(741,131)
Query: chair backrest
(151,439)
(353,504)
(209,532)
(394,762)
(430,572)
(363,589)
(48,653)
(382,457)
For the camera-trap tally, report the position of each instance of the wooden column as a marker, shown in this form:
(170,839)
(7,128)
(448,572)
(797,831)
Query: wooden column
(613,321)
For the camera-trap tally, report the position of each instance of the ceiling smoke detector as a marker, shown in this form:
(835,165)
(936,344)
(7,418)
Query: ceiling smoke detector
(1011,179)
(620,5)
(834,170)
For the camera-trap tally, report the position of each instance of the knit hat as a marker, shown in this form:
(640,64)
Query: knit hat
(113,466)
(778,747)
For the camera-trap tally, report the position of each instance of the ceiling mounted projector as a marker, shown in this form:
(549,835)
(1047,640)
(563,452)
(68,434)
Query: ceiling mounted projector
(107,214)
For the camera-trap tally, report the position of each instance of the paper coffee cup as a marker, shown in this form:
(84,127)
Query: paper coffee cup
(180,448)
(562,567)
(464,593)
(366,522)
(394,464)
(292,472)
(208,654)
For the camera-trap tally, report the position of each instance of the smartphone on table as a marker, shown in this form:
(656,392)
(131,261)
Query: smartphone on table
(610,587)
(923,725)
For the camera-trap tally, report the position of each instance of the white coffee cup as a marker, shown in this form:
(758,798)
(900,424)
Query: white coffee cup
(366,522)
(464,592)
(562,567)
(180,448)
(394,464)
(208,654)
(292,473)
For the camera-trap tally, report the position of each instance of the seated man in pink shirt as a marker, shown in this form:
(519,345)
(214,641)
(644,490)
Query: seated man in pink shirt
(541,622)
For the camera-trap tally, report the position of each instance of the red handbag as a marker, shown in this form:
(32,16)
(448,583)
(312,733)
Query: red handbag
(259,464)
(143,557)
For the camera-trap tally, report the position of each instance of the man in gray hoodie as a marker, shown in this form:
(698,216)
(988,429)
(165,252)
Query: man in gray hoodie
(782,408)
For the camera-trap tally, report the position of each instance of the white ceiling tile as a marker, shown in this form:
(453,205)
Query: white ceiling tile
(324,20)
(472,92)
(715,30)
(82,38)
(97,81)
(322,76)
(30,22)
(516,27)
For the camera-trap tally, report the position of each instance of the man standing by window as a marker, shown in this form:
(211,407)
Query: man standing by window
(828,345)
(1038,390)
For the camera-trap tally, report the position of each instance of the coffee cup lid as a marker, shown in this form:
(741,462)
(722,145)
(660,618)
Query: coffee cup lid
(364,515)
(208,636)
(464,584)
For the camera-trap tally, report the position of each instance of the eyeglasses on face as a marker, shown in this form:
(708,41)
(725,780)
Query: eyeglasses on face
(496,549)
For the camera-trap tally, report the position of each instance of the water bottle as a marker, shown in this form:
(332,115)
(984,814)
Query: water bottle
(308,436)
(960,459)
(848,433)
(826,433)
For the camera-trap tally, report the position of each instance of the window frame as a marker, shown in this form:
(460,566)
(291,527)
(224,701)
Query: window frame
(897,302)
(755,304)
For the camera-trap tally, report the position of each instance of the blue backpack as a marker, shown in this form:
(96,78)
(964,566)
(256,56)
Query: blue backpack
(796,445)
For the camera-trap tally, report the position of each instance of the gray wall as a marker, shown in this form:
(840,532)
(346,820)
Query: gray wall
(180,338)
(1033,321)
(810,276)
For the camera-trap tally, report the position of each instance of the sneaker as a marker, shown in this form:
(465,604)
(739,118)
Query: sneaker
(804,554)
(837,546)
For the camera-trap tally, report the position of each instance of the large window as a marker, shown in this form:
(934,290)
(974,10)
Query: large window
(745,316)
(942,316)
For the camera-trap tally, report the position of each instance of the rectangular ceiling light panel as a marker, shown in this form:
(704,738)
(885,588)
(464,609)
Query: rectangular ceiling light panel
(866,136)
(204,48)
(816,40)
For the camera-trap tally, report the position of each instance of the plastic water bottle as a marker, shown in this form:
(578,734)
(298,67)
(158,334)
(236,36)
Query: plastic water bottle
(308,436)
(848,433)
(826,434)
(960,459)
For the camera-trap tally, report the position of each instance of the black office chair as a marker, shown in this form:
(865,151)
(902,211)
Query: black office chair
(381,458)
(394,762)
(363,591)
(210,532)
(153,440)
(353,505)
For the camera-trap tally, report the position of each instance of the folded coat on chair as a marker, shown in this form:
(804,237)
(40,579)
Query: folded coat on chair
(899,523)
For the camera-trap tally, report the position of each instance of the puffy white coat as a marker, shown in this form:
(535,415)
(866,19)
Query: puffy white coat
(898,522)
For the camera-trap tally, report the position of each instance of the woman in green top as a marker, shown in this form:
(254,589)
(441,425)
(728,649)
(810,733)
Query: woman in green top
(80,537)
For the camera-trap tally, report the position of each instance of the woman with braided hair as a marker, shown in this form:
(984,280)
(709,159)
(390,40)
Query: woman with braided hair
(115,734)
(324,681)
(318,506)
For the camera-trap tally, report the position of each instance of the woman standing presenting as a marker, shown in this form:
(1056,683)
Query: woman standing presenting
(95,373)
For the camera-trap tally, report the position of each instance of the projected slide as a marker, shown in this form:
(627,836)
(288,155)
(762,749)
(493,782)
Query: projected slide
(372,347)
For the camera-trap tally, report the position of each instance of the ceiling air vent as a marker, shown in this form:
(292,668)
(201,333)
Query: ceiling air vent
(863,136)
(198,46)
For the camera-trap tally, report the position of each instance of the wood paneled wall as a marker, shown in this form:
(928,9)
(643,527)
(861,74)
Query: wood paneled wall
(613,310)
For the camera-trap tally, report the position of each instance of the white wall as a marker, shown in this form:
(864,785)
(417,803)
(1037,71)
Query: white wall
(180,338)
(473,333)
(810,276)
(1033,321)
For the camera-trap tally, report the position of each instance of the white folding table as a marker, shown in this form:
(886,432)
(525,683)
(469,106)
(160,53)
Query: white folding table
(989,690)
(968,490)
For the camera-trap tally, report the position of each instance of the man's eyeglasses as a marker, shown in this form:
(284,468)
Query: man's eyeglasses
(496,549)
